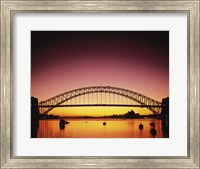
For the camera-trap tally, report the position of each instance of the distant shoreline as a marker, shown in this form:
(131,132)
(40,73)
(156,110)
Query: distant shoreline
(106,117)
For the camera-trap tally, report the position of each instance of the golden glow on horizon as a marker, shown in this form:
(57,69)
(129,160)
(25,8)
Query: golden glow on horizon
(96,111)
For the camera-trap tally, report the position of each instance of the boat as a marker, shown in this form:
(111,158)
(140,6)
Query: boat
(153,132)
(62,123)
(141,126)
(152,124)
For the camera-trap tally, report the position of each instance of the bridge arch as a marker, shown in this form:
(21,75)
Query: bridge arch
(137,97)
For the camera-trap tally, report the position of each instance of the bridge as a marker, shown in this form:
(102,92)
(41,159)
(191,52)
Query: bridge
(100,96)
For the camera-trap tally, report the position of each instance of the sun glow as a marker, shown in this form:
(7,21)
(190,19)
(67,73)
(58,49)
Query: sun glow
(97,111)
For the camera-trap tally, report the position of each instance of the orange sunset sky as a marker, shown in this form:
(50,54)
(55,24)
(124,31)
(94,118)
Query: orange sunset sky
(65,60)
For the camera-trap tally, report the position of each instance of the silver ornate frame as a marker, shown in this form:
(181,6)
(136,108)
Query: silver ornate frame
(11,7)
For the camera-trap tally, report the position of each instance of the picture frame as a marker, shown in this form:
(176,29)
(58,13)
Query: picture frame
(10,8)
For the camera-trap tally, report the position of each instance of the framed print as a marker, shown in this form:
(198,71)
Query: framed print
(99,84)
(106,109)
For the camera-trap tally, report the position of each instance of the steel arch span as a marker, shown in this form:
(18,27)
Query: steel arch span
(137,97)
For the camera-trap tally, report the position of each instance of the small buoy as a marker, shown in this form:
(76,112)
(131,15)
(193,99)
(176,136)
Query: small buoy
(141,126)
(153,132)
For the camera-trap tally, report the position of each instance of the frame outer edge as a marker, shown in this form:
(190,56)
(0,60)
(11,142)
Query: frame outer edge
(5,99)
(194,85)
(3,151)
(197,79)
(5,84)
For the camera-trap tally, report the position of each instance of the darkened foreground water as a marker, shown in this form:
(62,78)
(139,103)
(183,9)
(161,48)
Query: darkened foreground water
(94,128)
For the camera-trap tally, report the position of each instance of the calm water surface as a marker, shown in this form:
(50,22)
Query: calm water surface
(94,128)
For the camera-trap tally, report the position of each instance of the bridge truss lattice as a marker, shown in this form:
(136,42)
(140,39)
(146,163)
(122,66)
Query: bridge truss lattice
(141,99)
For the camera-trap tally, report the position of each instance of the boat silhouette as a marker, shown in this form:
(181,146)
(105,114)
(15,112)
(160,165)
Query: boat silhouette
(141,126)
(152,124)
(62,123)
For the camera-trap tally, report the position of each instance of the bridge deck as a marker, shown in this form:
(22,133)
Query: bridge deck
(98,105)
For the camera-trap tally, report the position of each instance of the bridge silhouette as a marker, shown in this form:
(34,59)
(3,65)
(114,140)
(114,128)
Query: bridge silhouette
(104,95)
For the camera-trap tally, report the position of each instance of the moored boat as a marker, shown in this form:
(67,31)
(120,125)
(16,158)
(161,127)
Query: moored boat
(62,123)
(152,124)
(141,126)
(153,132)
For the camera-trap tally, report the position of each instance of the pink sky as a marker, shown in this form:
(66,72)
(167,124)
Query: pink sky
(63,61)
